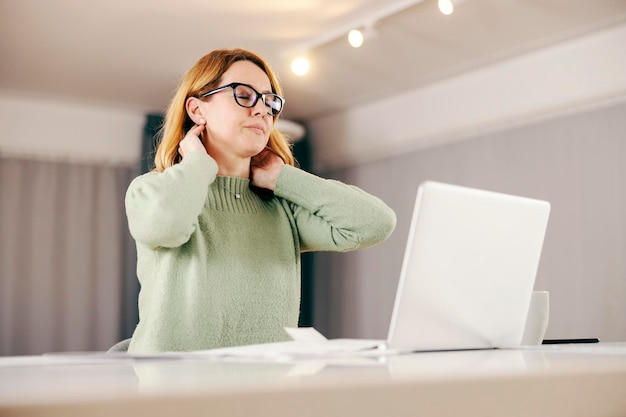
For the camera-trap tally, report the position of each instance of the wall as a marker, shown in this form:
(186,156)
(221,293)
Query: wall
(575,162)
(53,129)
(48,128)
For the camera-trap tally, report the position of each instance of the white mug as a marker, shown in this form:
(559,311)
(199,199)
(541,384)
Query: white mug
(538,317)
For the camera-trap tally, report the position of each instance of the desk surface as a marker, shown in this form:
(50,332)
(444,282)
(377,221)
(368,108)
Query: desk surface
(587,380)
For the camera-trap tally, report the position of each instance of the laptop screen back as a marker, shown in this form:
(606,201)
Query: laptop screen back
(469,269)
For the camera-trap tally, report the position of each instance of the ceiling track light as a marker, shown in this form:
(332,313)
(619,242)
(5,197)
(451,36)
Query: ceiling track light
(357,34)
(300,66)
(445,6)
(355,38)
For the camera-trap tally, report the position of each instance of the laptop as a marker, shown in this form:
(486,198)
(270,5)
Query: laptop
(466,280)
(469,269)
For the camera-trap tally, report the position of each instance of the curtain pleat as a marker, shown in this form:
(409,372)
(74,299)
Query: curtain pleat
(64,255)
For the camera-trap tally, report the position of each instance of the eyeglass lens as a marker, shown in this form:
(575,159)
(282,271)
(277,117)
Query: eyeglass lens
(247,97)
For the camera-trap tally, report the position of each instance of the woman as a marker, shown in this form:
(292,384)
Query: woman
(221,221)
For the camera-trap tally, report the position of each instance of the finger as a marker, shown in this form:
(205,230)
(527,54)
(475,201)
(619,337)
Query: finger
(196,130)
(263,154)
(259,158)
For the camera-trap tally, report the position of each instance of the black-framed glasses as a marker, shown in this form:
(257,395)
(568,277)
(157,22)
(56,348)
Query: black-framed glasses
(246,96)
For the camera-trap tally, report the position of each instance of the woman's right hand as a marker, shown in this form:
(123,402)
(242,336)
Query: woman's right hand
(192,140)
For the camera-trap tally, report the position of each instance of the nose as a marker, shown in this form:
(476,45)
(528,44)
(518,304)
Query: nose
(259,108)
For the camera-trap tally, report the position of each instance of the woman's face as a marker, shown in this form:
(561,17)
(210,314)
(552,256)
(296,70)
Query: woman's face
(233,131)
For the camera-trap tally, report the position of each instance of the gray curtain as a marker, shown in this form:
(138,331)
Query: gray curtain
(64,250)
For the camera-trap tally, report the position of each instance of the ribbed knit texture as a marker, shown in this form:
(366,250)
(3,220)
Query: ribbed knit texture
(217,270)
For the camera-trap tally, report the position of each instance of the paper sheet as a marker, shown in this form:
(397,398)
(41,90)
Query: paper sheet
(308,343)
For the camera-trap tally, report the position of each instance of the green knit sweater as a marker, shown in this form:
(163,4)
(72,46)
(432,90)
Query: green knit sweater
(216,270)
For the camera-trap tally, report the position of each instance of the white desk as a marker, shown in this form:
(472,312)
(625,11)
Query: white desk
(585,380)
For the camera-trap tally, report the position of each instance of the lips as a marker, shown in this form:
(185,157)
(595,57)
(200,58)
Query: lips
(257,128)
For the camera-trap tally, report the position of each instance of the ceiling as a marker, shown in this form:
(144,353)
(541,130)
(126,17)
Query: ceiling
(131,53)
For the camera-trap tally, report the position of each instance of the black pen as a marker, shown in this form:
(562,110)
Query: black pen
(565,341)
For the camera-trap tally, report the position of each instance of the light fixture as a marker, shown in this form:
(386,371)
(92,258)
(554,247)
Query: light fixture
(355,38)
(300,66)
(445,6)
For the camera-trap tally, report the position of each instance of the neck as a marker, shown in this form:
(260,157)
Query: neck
(230,165)
(234,167)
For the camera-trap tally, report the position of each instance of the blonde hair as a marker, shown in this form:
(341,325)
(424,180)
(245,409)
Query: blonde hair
(202,77)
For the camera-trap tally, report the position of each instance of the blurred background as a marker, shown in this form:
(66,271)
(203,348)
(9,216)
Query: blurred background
(520,96)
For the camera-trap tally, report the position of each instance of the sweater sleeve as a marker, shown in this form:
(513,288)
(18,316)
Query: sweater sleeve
(331,215)
(163,207)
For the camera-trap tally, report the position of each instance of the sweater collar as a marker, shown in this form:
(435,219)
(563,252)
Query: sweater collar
(233,194)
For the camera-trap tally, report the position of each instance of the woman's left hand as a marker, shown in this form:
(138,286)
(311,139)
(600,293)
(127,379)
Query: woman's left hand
(264,169)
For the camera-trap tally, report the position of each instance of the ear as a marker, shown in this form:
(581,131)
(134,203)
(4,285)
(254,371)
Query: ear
(192,105)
